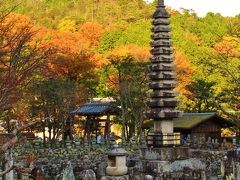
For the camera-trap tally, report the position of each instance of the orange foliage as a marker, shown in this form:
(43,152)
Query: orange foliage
(14,28)
(192,37)
(72,56)
(121,55)
(184,72)
(19,56)
(229,46)
(139,54)
(76,64)
(90,33)
(171,11)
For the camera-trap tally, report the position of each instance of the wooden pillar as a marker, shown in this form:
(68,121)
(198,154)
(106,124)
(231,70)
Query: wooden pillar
(107,129)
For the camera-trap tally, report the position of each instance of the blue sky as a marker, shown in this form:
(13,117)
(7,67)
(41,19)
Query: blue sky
(201,7)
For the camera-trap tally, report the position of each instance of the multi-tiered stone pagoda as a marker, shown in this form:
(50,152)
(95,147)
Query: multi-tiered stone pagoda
(162,74)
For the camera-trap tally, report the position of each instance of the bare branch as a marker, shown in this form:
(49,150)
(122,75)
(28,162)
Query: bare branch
(13,141)
(7,170)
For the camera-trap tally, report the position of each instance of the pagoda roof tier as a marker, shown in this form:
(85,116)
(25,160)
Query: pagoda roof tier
(162,93)
(165,84)
(162,59)
(161,42)
(159,102)
(162,75)
(160,114)
(161,50)
(161,35)
(162,67)
(161,28)
(162,21)
(161,12)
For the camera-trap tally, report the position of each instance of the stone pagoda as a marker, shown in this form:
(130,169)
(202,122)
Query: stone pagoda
(162,74)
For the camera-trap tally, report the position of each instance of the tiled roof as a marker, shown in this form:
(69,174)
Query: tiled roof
(96,108)
(190,120)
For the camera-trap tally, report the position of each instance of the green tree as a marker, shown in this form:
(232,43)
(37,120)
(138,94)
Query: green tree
(51,102)
(127,82)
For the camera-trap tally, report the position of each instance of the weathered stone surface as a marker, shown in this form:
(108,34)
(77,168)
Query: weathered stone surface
(115,178)
(88,174)
(163,77)
(165,154)
(68,172)
(193,163)
(148,177)
(117,162)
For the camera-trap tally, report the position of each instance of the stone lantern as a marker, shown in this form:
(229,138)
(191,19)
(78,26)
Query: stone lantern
(117,162)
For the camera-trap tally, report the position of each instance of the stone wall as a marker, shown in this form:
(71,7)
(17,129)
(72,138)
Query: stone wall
(90,162)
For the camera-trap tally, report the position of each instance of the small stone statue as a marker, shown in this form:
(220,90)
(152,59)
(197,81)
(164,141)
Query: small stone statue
(188,139)
(216,144)
(209,143)
(224,144)
(112,139)
(85,141)
(78,142)
(68,172)
(68,143)
(143,141)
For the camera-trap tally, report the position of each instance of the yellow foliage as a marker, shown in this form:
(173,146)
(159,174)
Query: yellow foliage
(229,46)
(67,26)
(139,54)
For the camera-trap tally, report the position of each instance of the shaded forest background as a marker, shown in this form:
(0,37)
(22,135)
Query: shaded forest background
(54,55)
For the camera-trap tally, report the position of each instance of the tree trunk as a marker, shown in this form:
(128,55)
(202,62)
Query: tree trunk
(49,133)
(44,136)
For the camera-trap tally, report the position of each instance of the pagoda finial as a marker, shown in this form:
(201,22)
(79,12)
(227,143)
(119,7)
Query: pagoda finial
(160,2)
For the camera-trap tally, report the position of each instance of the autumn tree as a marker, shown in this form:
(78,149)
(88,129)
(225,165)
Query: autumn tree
(64,79)
(228,53)
(90,33)
(51,101)
(127,80)
(20,56)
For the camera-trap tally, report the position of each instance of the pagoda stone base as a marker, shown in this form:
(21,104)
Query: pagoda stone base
(165,153)
(158,140)
(164,126)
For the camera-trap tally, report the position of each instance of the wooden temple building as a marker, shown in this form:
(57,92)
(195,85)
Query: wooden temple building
(200,126)
(97,117)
